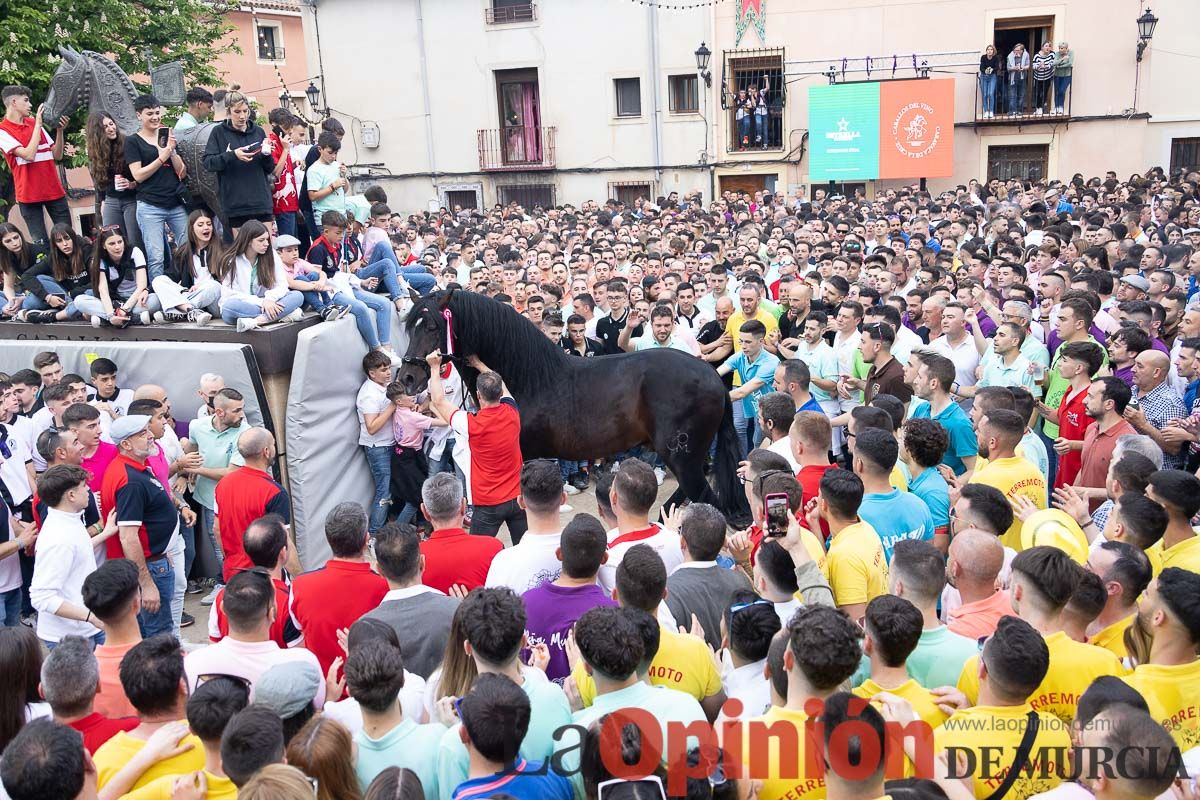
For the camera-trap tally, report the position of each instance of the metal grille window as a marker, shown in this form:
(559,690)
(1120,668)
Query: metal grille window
(685,95)
(754,93)
(502,12)
(461,199)
(1185,154)
(629,96)
(628,192)
(1023,161)
(527,195)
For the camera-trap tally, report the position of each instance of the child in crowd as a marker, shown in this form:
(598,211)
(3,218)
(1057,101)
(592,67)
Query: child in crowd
(410,468)
(375,434)
(335,252)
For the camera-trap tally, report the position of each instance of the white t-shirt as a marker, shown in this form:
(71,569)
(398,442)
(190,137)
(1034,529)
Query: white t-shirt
(372,398)
(528,564)
(783,447)
(965,357)
(12,470)
(663,541)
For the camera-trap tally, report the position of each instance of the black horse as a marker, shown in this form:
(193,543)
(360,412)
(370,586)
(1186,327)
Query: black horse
(585,408)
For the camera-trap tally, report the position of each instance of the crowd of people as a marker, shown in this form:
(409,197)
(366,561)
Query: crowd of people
(969,440)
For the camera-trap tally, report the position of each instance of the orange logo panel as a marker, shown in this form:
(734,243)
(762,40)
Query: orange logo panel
(916,128)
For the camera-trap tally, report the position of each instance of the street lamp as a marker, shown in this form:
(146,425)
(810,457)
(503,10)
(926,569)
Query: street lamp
(703,54)
(314,96)
(1145,23)
(285,98)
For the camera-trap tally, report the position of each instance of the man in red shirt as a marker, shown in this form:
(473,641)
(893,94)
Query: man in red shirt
(452,556)
(31,155)
(266,544)
(285,195)
(247,493)
(70,680)
(333,597)
(489,443)
(1105,402)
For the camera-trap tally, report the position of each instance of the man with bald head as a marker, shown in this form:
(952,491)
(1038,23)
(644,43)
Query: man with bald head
(247,493)
(1158,405)
(976,560)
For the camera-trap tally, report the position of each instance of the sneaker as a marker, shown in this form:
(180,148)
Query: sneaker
(97,321)
(199,316)
(211,597)
(579,480)
(186,620)
(29,620)
(143,318)
(565,509)
(295,316)
(247,324)
(396,359)
(43,317)
(330,314)
(660,475)
(194,587)
(569,489)
(170,315)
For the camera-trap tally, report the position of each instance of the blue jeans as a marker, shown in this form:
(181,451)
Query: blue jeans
(314,300)
(760,129)
(379,460)
(446,462)
(416,276)
(35,303)
(386,272)
(1016,97)
(163,620)
(1061,87)
(743,125)
(122,211)
(209,520)
(372,315)
(285,223)
(97,639)
(234,308)
(987,87)
(10,603)
(151,220)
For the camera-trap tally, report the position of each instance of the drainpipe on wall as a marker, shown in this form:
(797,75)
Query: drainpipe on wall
(429,150)
(656,114)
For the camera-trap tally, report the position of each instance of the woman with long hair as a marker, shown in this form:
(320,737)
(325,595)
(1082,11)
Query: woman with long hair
(989,78)
(111,176)
(21,666)
(57,279)
(395,783)
(187,289)
(120,293)
(325,751)
(254,286)
(458,670)
(17,256)
(241,156)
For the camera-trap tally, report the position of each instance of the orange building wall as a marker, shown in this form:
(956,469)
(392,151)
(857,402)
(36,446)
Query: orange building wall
(257,77)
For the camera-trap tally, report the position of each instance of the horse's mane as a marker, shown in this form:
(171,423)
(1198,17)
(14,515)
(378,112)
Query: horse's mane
(503,339)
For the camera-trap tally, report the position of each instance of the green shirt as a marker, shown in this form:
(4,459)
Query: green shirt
(219,449)
(406,745)
(939,657)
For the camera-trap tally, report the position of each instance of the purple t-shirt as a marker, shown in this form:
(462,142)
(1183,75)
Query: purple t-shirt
(551,612)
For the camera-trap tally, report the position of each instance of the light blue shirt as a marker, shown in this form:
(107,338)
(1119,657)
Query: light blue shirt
(932,490)
(648,342)
(319,176)
(407,745)
(896,515)
(997,373)
(1034,451)
(963,442)
(549,711)
(762,369)
(822,363)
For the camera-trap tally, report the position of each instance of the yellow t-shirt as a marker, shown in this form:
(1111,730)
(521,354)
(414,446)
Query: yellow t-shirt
(897,479)
(855,567)
(116,752)
(219,788)
(736,320)
(1185,555)
(1073,667)
(1013,476)
(1112,638)
(786,739)
(1173,694)
(1155,553)
(683,662)
(916,694)
(983,729)
(816,550)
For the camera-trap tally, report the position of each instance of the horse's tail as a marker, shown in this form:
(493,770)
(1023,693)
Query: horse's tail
(731,497)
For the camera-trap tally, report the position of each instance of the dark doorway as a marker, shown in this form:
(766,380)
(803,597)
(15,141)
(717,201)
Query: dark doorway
(1030,32)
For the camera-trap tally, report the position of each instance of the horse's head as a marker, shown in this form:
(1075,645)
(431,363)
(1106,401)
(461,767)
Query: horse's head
(427,331)
(66,86)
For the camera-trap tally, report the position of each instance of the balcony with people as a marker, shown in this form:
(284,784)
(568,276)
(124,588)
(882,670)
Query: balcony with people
(1019,88)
